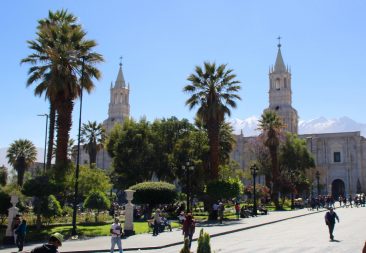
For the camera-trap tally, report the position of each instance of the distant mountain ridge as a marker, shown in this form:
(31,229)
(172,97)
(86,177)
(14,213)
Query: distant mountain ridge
(314,126)
(4,160)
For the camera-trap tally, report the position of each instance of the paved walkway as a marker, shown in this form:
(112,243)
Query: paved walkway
(147,241)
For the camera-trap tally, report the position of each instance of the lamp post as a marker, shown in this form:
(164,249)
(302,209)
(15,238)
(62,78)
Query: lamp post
(317,174)
(188,168)
(76,189)
(45,141)
(254,171)
(292,189)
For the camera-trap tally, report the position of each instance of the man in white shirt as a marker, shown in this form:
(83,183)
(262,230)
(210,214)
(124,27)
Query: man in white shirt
(116,232)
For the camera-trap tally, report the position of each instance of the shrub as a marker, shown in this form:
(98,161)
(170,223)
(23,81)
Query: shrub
(185,248)
(204,243)
(154,193)
(98,201)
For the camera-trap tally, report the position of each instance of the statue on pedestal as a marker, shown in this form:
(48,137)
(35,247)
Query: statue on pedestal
(12,214)
(128,228)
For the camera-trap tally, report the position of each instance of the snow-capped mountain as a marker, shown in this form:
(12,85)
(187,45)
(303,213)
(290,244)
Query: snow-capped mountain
(319,125)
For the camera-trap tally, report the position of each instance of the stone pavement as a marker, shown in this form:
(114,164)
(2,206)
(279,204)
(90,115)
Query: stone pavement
(167,239)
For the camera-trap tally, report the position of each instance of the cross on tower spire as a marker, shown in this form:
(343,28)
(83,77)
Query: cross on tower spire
(120,61)
(279,41)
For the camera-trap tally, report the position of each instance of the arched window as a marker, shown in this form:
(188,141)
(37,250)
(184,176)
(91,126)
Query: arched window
(277,84)
(285,82)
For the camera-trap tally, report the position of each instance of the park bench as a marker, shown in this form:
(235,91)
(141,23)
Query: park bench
(165,224)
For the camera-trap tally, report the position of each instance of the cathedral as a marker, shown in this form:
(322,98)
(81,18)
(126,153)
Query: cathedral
(340,158)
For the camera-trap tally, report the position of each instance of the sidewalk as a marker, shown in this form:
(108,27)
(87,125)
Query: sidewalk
(166,239)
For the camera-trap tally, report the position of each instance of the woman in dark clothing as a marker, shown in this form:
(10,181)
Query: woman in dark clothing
(20,231)
(189,227)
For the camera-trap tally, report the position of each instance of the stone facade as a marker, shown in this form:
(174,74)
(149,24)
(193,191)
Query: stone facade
(340,158)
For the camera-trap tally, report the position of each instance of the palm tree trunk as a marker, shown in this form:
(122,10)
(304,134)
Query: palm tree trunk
(275,176)
(64,122)
(93,153)
(213,131)
(51,135)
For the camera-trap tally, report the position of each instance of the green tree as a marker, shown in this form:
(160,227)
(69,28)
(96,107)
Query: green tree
(21,155)
(271,125)
(214,90)
(295,160)
(50,207)
(5,205)
(60,53)
(165,134)
(97,201)
(92,180)
(39,188)
(92,136)
(228,189)
(3,175)
(132,152)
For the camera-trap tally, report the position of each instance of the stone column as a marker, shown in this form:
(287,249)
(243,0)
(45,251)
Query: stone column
(13,211)
(128,228)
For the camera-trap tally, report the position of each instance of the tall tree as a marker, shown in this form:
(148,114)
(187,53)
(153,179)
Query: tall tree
(92,136)
(21,155)
(295,159)
(61,55)
(214,90)
(271,125)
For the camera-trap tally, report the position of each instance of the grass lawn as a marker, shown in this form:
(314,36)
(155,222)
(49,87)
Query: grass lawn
(34,235)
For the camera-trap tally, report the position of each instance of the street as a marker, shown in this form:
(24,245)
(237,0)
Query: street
(305,234)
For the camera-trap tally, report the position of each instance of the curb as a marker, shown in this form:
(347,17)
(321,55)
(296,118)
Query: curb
(211,235)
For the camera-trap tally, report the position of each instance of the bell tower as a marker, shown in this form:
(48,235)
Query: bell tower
(280,94)
(119,105)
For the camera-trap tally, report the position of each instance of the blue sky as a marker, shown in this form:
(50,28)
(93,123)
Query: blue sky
(161,42)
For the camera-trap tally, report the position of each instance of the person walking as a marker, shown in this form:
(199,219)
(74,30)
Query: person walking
(157,222)
(189,227)
(53,244)
(330,218)
(20,231)
(116,233)
(237,210)
(221,212)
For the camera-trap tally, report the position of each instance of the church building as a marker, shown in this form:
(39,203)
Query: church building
(340,158)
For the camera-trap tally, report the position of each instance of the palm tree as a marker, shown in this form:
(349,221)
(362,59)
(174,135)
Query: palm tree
(92,136)
(214,90)
(21,155)
(60,53)
(271,125)
(227,142)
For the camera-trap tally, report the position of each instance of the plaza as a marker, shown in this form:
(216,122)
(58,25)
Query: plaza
(287,231)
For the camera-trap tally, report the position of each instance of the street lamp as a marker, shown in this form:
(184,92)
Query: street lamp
(254,171)
(292,189)
(188,168)
(45,141)
(73,232)
(317,174)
